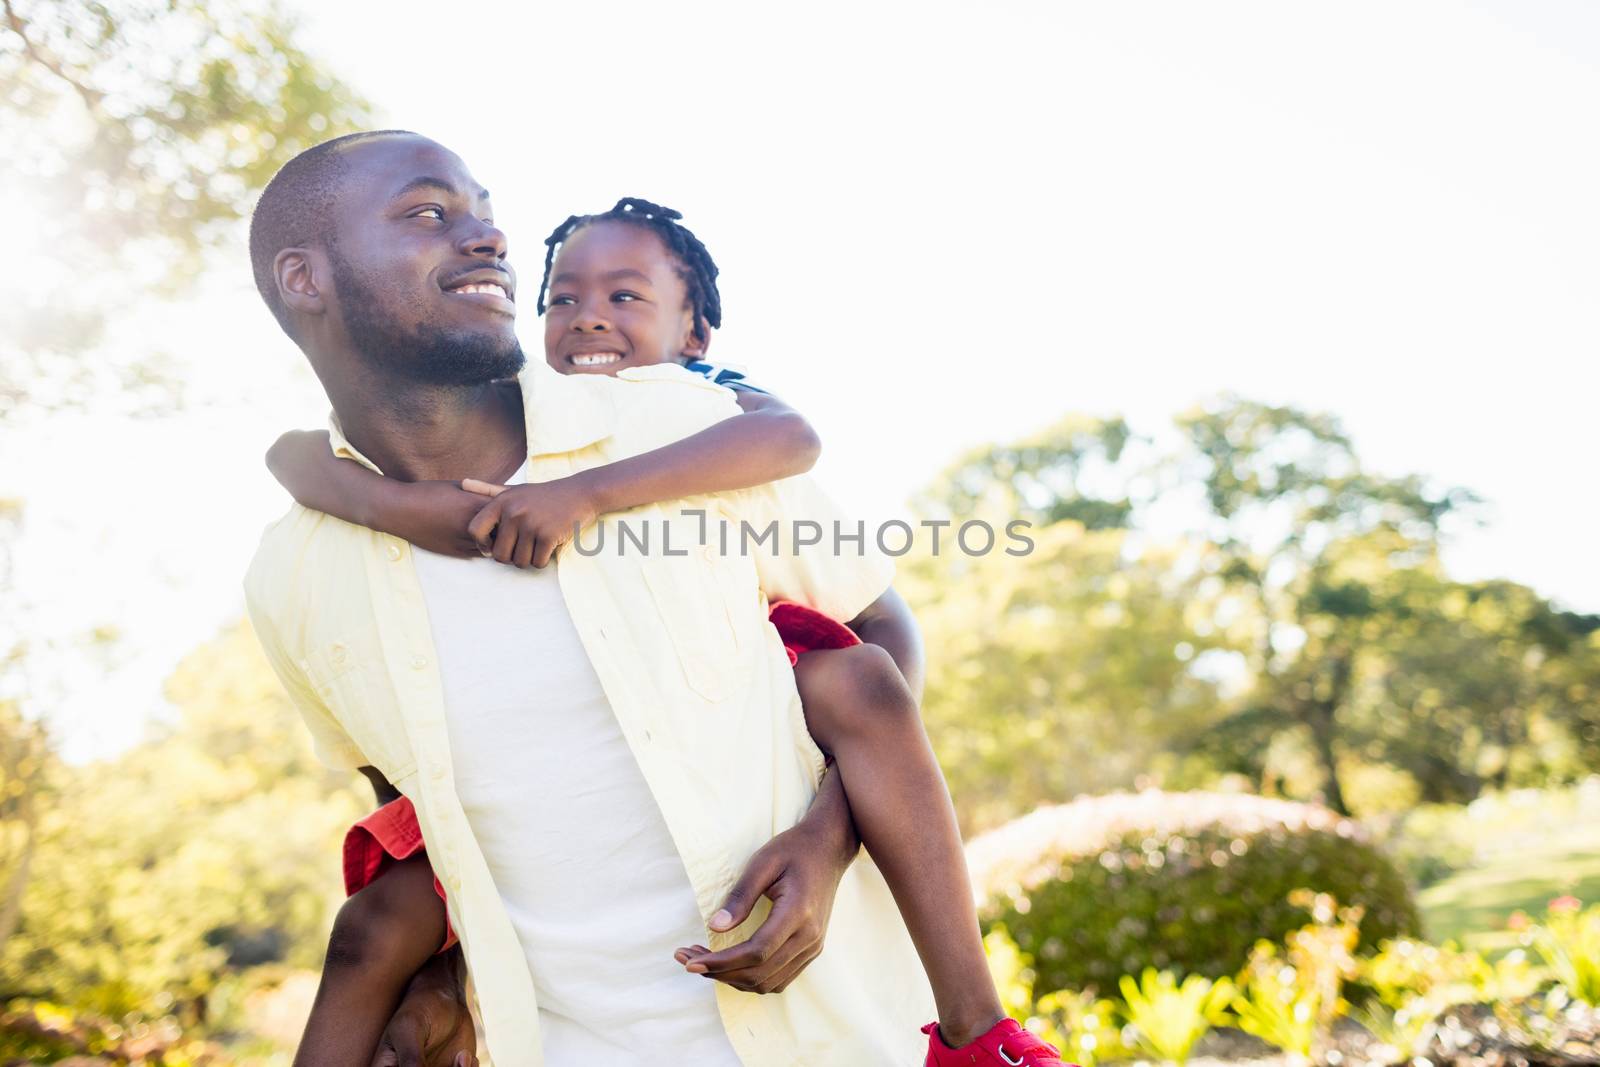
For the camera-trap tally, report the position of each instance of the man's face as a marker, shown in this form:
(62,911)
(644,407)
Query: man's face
(420,276)
(616,300)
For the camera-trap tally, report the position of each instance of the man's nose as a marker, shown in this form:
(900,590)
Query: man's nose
(483,239)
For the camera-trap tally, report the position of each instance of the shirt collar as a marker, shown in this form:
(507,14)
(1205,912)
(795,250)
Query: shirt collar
(565,412)
(561,413)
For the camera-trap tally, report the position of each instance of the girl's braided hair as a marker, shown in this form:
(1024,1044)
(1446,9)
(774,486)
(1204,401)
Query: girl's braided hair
(695,265)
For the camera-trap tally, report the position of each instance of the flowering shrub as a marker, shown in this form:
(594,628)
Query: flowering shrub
(1187,882)
(1440,1003)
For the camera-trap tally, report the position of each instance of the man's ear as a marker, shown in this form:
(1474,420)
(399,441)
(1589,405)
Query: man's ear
(297,274)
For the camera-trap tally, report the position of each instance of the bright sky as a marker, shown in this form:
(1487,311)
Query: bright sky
(944,224)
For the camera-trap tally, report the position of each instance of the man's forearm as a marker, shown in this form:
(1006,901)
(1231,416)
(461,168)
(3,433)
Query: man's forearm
(829,816)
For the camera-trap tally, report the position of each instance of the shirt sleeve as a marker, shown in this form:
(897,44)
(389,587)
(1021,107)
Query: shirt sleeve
(727,377)
(332,744)
(808,550)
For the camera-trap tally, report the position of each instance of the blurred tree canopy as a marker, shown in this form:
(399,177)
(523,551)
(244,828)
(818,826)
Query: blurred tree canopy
(138,133)
(210,849)
(1301,624)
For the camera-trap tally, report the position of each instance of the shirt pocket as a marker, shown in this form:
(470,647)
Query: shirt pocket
(351,676)
(701,600)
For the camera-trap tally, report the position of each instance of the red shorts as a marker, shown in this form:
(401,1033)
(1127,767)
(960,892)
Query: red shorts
(391,833)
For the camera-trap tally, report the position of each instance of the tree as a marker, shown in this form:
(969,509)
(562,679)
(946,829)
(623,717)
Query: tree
(137,135)
(26,772)
(1465,686)
(1065,671)
(208,850)
(1307,597)
(1069,471)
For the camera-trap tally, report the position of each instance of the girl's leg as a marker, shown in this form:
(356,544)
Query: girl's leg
(384,933)
(861,713)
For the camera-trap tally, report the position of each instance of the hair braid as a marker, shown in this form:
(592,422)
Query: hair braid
(696,267)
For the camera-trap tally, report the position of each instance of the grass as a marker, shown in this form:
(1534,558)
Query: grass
(1530,848)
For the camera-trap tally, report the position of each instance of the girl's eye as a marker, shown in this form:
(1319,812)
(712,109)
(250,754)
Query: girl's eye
(558,300)
(619,297)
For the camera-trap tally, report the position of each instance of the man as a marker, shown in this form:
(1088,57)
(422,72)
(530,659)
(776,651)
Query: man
(376,254)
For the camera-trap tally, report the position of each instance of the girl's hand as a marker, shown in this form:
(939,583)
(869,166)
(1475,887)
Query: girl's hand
(525,525)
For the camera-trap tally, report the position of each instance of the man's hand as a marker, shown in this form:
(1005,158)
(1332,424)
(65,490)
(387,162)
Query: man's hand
(525,525)
(799,871)
(432,1026)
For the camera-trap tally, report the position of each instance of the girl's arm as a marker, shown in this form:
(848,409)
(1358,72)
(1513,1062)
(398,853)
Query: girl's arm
(526,524)
(769,441)
(431,515)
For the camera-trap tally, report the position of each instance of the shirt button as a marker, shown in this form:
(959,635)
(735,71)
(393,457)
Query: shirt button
(708,553)
(419,662)
(394,551)
(339,653)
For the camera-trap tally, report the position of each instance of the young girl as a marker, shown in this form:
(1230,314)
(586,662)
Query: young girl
(632,287)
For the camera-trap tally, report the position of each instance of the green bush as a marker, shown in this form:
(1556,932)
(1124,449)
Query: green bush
(1187,882)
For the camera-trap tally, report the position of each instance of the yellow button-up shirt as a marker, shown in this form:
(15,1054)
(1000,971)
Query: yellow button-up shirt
(696,676)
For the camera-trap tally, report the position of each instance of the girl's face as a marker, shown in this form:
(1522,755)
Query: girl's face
(616,301)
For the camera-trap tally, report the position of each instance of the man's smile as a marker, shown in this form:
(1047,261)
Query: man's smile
(490,287)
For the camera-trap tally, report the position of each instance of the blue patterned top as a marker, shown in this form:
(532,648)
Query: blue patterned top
(724,376)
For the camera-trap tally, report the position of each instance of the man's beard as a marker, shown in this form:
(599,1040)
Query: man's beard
(430,355)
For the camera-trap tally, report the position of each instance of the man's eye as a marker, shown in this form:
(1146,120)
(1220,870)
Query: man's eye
(431,213)
(558,300)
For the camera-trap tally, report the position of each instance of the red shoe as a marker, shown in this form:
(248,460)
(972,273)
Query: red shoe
(1007,1043)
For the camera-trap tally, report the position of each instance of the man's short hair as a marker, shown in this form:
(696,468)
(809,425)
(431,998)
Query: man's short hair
(296,209)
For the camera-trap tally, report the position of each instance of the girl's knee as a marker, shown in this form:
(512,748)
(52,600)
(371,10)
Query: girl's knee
(853,690)
(376,924)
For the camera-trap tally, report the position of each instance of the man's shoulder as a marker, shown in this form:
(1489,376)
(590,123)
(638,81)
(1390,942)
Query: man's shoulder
(294,551)
(664,403)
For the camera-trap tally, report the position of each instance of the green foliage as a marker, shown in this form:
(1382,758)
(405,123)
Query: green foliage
(184,861)
(139,134)
(1082,1025)
(1167,1017)
(1302,630)
(1065,671)
(1568,941)
(1276,1006)
(1187,882)
(1046,478)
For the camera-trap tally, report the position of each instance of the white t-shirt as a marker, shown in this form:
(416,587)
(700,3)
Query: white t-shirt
(573,838)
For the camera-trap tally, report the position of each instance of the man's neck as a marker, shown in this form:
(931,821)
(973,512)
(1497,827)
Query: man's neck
(428,433)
